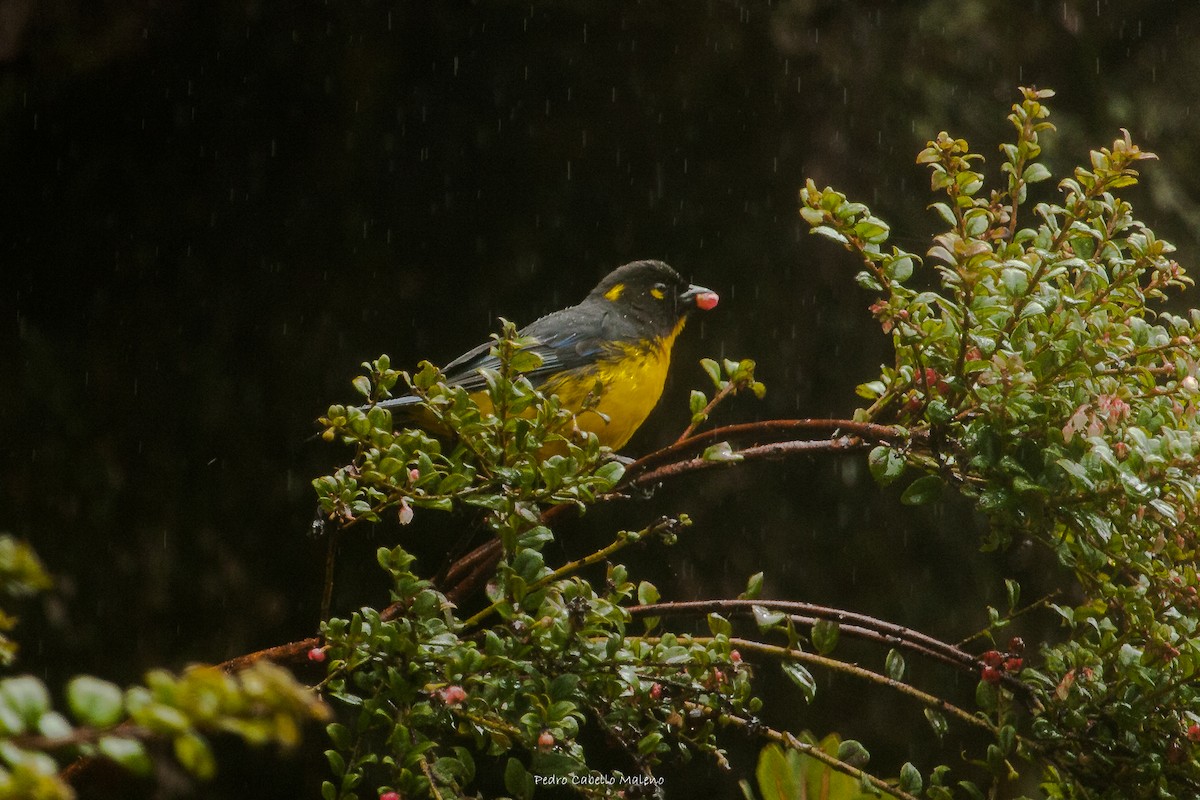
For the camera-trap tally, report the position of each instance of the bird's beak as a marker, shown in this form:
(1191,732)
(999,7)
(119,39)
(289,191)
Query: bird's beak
(701,298)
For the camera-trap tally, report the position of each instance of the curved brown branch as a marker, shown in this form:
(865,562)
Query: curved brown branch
(849,622)
(766,431)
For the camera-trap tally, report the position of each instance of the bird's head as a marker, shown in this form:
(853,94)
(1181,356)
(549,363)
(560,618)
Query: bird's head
(652,292)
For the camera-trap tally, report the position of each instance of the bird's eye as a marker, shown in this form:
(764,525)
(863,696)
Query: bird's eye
(658,291)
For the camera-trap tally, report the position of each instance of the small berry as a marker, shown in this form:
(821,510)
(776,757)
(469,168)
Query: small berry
(453,695)
(389,796)
(545,740)
(1016,644)
(1193,732)
(735,656)
(316,654)
(655,691)
(991,675)
(414,475)
(1013,664)
(992,658)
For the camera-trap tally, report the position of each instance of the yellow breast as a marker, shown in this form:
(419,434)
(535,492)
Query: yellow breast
(631,382)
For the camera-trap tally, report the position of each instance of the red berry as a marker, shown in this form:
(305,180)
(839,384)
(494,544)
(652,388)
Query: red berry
(453,695)
(992,658)
(735,656)
(545,740)
(1013,664)
(316,654)
(1016,644)
(655,691)
(1193,733)
(389,796)
(991,675)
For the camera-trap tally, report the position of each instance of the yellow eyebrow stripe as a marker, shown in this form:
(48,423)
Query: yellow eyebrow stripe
(615,292)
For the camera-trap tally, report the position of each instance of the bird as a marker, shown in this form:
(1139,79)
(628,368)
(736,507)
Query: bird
(610,352)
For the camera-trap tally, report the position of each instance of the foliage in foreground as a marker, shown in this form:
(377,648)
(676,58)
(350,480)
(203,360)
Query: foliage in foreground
(261,705)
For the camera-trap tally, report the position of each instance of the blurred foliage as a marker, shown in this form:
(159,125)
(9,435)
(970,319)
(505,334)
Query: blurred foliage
(792,775)
(262,704)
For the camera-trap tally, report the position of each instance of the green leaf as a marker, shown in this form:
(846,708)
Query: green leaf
(721,451)
(894,665)
(825,636)
(886,464)
(937,722)
(27,696)
(753,587)
(718,625)
(1014,593)
(95,702)
(923,490)
(800,676)
(765,617)
(517,780)
(713,370)
(900,269)
(830,233)
(647,593)
(129,753)
(1035,172)
(775,776)
(910,778)
(194,755)
(853,753)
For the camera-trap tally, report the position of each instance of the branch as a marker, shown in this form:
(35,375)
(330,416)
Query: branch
(788,740)
(860,625)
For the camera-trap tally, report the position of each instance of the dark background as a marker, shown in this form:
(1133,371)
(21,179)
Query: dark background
(211,212)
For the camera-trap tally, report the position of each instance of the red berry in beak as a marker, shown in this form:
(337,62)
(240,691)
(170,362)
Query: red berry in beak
(707,300)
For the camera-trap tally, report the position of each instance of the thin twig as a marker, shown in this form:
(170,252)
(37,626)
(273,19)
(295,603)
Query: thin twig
(789,740)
